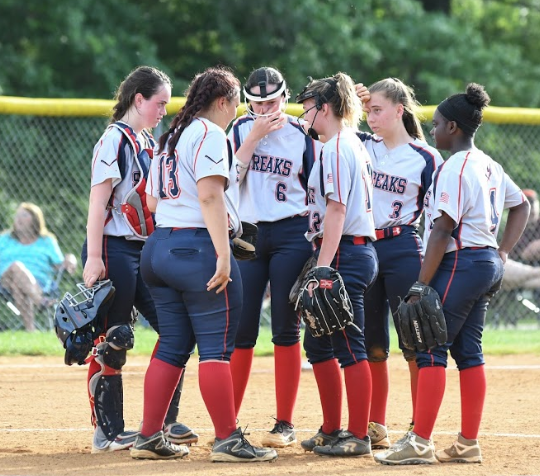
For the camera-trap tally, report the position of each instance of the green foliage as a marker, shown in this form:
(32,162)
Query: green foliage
(85,48)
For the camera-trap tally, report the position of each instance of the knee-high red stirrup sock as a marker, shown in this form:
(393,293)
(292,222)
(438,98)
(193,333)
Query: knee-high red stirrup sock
(159,383)
(287,367)
(216,386)
(358,385)
(413,372)
(241,360)
(379,391)
(431,385)
(473,394)
(328,378)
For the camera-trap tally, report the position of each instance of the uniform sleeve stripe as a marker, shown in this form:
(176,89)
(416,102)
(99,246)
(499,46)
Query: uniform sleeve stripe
(426,177)
(236,130)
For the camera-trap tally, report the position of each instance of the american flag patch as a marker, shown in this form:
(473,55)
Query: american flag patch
(329,178)
(445,197)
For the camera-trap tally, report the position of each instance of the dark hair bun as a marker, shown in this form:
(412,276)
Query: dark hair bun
(477,96)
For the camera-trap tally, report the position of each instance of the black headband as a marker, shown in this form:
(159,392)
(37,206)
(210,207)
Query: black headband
(452,112)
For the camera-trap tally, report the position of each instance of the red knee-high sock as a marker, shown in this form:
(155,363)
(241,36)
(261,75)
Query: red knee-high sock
(379,391)
(413,371)
(328,378)
(241,360)
(358,385)
(159,383)
(287,366)
(431,384)
(216,386)
(473,393)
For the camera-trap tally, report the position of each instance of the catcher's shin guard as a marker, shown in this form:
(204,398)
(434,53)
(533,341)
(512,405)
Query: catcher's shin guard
(105,385)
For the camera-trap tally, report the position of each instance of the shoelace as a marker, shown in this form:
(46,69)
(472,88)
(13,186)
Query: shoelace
(245,442)
(281,425)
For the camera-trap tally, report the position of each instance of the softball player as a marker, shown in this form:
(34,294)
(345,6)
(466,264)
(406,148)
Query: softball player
(464,208)
(341,229)
(403,165)
(187,263)
(275,158)
(113,246)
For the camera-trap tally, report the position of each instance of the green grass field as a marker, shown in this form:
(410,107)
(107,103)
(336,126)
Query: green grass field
(522,340)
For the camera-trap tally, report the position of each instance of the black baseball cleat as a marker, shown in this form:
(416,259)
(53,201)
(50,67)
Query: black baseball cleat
(320,439)
(236,449)
(180,434)
(157,447)
(346,445)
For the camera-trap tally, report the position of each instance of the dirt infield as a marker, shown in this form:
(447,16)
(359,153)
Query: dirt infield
(45,429)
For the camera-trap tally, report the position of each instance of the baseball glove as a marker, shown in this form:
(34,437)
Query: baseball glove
(294,294)
(324,302)
(422,324)
(244,246)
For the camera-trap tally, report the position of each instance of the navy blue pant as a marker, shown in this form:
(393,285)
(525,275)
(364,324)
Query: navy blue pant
(358,267)
(400,260)
(466,280)
(282,251)
(122,263)
(176,265)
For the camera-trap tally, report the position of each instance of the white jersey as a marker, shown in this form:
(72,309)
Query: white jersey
(343,174)
(113,158)
(200,152)
(401,177)
(473,190)
(275,185)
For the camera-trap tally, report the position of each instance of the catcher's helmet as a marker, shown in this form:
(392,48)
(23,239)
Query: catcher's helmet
(77,317)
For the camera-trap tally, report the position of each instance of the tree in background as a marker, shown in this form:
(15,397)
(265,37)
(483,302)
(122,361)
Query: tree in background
(61,48)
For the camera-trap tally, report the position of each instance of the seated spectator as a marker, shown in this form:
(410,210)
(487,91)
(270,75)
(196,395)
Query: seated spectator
(29,259)
(520,276)
(527,249)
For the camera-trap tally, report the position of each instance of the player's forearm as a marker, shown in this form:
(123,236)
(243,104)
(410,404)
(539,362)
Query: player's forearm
(246,150)
(515,224)
(334,220)
(99,198)
(94,227)
(435,251)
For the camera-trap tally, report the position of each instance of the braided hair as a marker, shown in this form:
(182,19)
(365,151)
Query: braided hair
(145,80)
(205,88)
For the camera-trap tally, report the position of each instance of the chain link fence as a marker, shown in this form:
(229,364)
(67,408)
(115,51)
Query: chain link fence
(46,159)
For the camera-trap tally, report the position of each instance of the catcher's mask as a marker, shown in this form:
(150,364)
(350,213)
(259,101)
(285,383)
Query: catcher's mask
(264,95)
(312,90)
(77,317)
